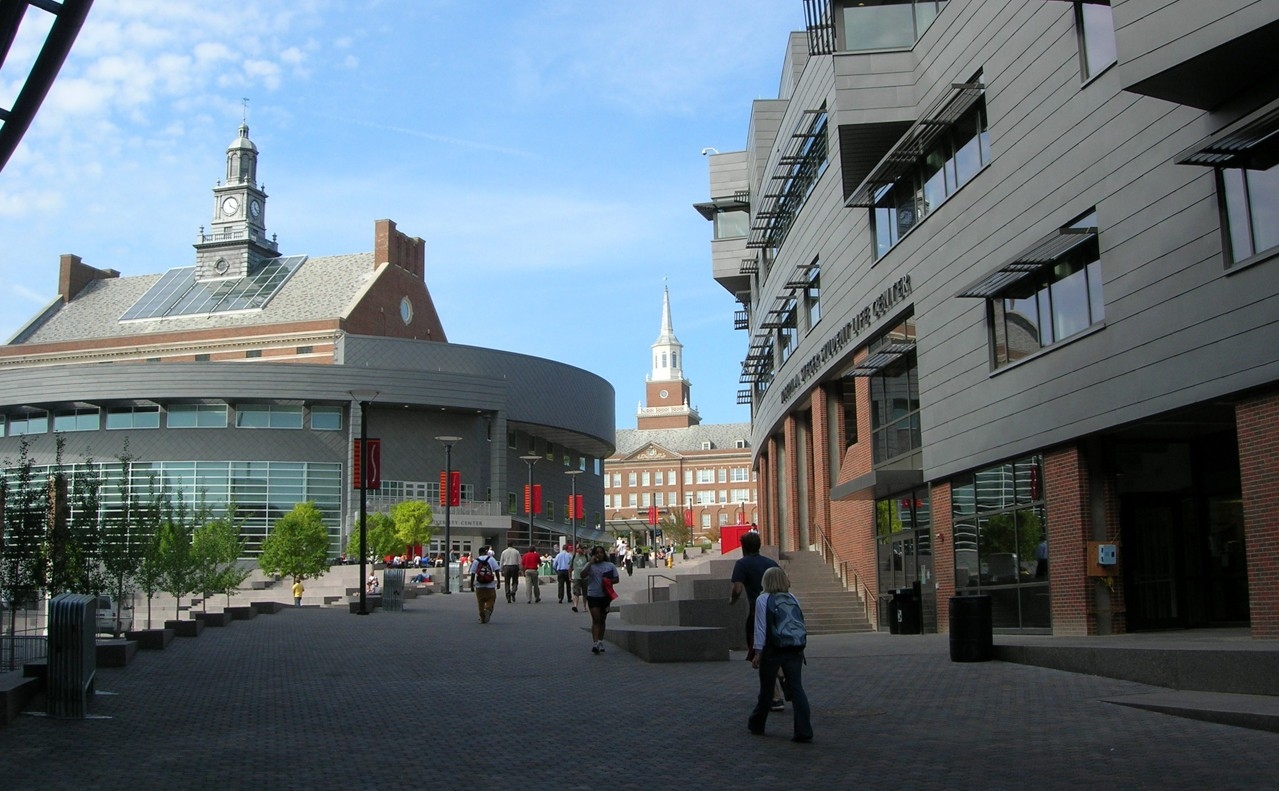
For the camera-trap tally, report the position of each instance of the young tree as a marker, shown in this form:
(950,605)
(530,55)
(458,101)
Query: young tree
(298,544)
(414,523)
(22,557)
(89,549)
(380,538)
(63,554)
(140,528)
(674,528)
(215,548)
(177,563)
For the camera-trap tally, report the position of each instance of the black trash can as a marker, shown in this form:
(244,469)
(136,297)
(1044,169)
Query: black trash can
(971,637)
(904,612)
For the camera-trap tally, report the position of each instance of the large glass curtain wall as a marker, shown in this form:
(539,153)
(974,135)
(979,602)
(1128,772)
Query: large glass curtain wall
(261,491)
(1001,542)
(904,547)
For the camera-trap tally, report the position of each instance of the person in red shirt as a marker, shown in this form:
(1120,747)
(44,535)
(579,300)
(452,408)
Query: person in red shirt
(529,561)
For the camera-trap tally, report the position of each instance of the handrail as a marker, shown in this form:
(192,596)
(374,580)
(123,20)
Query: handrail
(843,569)
(650,583)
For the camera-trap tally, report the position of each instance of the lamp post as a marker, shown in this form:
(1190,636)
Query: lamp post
(572,504)
(531,459)
(447,491)
(364,398)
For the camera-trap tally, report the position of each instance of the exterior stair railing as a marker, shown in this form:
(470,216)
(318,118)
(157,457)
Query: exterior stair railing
(849,577)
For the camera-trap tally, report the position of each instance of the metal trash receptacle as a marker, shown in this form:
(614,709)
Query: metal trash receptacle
(71,657)
(971,634)
(904,612)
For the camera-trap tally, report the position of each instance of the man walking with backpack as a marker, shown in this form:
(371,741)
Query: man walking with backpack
(484,582)
(780,636)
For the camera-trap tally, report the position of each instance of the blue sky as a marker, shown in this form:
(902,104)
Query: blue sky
(547,152)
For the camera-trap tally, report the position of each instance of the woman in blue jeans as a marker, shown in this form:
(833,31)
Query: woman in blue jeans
(773,657)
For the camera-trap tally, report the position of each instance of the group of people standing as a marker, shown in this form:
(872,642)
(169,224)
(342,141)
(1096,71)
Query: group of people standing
(578,576)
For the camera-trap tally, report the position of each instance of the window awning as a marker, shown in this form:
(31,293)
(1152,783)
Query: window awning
(881,359)
(1047,250)
(738,201)
(773,215)
(916,142)
(1252,142)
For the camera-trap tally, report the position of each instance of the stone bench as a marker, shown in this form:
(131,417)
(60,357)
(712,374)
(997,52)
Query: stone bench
(151,639)
(213,617)
(670,643)
(267,607)
(16,690)
(241,612)
(185,628)
(116,652)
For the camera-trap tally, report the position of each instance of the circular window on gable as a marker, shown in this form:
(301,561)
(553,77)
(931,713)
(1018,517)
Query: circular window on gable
(406,310)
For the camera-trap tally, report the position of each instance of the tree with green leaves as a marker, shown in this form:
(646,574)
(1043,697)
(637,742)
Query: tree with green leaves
(381,537)
(22,554)
(177,562)
(298,544)
(86,560)
(139,542)
(675,528)
(414,522)
(215,548)
(63,553)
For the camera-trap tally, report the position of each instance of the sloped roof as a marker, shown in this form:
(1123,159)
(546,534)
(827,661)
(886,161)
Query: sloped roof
(722,436)
(322,288)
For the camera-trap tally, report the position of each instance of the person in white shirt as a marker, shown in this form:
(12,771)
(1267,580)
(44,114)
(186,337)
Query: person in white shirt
(511,571)
(563,565)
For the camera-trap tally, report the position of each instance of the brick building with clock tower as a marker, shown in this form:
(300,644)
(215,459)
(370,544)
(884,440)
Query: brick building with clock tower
(671,461)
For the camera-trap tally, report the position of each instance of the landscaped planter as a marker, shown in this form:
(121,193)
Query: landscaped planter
(151,639)
(185,628)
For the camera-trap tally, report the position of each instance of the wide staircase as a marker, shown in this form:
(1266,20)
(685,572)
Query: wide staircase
(828,607)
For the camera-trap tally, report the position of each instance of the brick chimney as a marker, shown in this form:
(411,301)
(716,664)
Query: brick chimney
(74,275)
(397,249)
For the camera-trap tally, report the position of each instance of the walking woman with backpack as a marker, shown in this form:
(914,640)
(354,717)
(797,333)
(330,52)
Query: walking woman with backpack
(779,628)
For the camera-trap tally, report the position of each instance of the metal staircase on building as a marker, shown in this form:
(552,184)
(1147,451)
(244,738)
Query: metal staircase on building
(828,607)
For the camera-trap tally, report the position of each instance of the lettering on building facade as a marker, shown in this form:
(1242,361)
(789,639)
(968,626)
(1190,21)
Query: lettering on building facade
(834,345)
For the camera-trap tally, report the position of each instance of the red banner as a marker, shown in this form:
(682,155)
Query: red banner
(369,473)
(453,487)
(652,514)
(533,501)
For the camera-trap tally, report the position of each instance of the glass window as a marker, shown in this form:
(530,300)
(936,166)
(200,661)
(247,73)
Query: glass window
(952,162)
(644,476)
(1000,541)
(1251,199)
(657,478)
(326,418)
(813,297)
(133,417)
(731,224)
(1096,25)
(788,332)
(631,479)
(268,416)
(1059,301)
(33,423)
(77,420)
(894,399)
(196,416)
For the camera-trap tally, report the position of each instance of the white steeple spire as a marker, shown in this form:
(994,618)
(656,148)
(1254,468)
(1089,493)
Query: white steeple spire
(667,350)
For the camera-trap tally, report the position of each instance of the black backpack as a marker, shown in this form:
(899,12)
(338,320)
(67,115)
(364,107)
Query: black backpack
(484,571)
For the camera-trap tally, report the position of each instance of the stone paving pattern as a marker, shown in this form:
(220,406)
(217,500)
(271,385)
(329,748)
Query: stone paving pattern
(316,698)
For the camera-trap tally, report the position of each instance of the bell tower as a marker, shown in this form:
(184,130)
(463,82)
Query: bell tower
(236,244)
(666,390)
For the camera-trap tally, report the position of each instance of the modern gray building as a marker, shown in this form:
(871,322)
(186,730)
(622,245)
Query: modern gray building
(1009,283)
(236,378)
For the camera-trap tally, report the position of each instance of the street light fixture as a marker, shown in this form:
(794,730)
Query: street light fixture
(364,398)
(447,491)
(531,459)
(572,504)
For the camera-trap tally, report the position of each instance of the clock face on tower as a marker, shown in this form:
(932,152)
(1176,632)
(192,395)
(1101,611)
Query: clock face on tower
(229,205)
(663,394)
(255,209)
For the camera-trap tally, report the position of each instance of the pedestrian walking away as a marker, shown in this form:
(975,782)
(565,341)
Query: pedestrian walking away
(530,562)
(563,564)
(748,577)
(580,561)
(484,576)
(297,592)
(511,571)
(780,636)
(598,579)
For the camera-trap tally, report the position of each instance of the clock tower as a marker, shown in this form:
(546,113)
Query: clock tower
(236,244)
(666,391)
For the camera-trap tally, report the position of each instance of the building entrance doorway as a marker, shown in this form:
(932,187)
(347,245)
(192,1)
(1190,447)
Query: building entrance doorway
(1182,532)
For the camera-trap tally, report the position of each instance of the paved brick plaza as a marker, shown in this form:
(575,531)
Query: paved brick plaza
(318,698)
